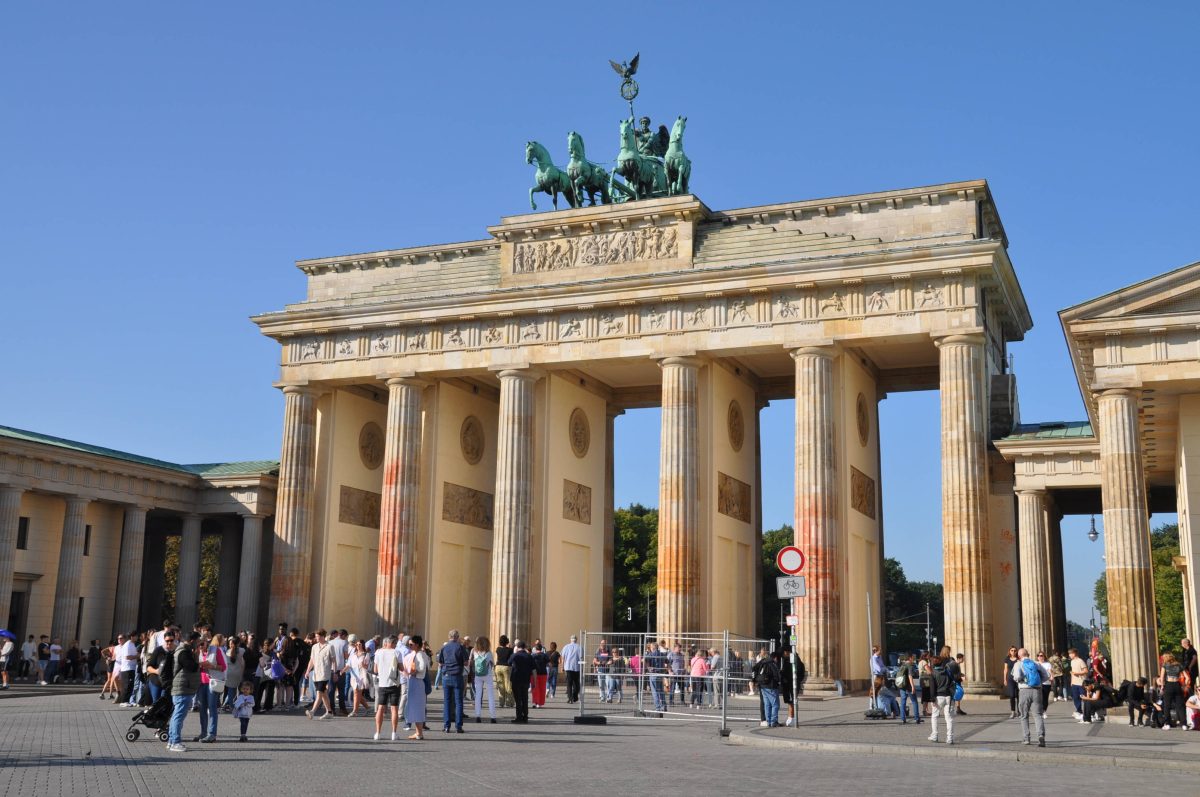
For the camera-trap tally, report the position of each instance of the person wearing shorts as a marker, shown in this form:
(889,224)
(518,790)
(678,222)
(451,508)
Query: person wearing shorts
(386,668)
(320,669)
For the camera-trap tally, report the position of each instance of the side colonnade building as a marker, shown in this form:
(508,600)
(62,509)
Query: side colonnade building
(83,533)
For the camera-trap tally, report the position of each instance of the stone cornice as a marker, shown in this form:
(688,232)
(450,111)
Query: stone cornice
(978,256)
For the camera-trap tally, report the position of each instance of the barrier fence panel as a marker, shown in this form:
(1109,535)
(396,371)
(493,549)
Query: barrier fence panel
(691,677)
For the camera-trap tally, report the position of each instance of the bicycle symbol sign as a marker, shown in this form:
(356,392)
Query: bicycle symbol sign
(790,587)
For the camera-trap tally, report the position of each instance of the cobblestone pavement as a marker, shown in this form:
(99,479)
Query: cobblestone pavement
(57,741)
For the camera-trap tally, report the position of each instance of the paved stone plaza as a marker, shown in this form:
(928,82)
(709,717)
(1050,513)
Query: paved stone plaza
(63,742)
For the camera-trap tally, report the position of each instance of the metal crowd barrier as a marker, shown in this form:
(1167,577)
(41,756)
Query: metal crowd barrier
(626,675)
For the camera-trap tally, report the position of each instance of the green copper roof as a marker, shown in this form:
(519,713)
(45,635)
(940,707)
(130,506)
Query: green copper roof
(213,470)
(256,467)
(1053,430)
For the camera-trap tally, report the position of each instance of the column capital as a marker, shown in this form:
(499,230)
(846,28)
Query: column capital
(1040,491)
(1117,392)
(690,360)
(77,502)
(297,389)
(518,372)
(407,380)
(612,411)
(964,338)
(136,507)
(827,349)
(11,489)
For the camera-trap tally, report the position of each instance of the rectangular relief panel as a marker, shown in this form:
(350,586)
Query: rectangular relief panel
(467,506)
(734,497)
(359,507)
(577,502)
(862,492)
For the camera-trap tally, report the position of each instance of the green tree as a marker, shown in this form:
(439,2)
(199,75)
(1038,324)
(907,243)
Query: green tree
(904,611)
(1168,590)
(210,575)
(635,566)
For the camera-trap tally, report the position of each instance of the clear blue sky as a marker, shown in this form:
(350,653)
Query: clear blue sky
(162,166)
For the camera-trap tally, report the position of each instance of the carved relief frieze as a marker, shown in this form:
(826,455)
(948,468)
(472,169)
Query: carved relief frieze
(416,339)
(455,337)
(697,315)
(786,307)
(612,323)
(577,502)
(733,497)
(862,492)
(738,312)
(833,304)
(381,343)
(310,349)
(655,319)
(736,424)
(359,507)
(878,302)
(601,249)
(346,346)
(531,331)
(929,297)
(467,506)
(569,327)
(493,334)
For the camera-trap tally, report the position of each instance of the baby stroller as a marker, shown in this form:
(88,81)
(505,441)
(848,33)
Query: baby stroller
(156,718)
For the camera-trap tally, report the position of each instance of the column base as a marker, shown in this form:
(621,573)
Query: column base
(982,689)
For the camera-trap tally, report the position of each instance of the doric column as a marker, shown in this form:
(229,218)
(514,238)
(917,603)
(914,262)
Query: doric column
(291,566)
(1058,595)
(816,531)
(678,607)
(398,514)
(610,416)
(1131,617)
(129,571)
(759,405)
(10,517)
(187,583)
(1037,620)
(247,600)
(510,607)
(228,577)
(70,571)
(967,566)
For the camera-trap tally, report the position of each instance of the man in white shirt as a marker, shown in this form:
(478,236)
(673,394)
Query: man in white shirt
(156,641)
(7,647)
(127,660)
(337,683)
(28,659)
(320,668)
(55,660)
(571,654)
(386,668)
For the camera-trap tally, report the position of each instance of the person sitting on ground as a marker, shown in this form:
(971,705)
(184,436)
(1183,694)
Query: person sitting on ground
(1135,699)
(887,698)
(1095,702)
(1193,711)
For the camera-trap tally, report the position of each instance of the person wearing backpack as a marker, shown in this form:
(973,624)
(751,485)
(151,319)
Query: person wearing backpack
(1028,677)
(908,681)
(943,692)
(767,676)
(483,665)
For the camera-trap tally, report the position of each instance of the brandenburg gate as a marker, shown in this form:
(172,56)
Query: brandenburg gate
(449,410)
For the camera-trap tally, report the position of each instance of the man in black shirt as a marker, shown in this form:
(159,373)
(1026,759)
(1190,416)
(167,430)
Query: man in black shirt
(161,668)
(503,686)
(520,675)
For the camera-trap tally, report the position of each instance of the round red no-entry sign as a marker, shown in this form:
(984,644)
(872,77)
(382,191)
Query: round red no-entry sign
(790,560)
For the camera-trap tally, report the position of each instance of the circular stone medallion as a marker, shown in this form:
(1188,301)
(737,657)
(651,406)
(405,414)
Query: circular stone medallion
(580,433)
(471,439)
(370,445)
(863,419)
(737,425)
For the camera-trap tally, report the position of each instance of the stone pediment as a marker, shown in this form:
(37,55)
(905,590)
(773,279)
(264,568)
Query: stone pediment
(1174,293)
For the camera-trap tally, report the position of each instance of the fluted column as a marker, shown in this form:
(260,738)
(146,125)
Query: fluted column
(510,606)
(816,513)
(1037,619)
(291,561)
(10,517)
(678,608)
(967,565)
(187,583)
(247,599)
(129,570)
(610,417)
(398,515)
(70,571)
(1131,616)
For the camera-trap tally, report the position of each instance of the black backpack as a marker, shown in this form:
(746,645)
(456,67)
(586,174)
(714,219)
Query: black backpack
(943,681)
